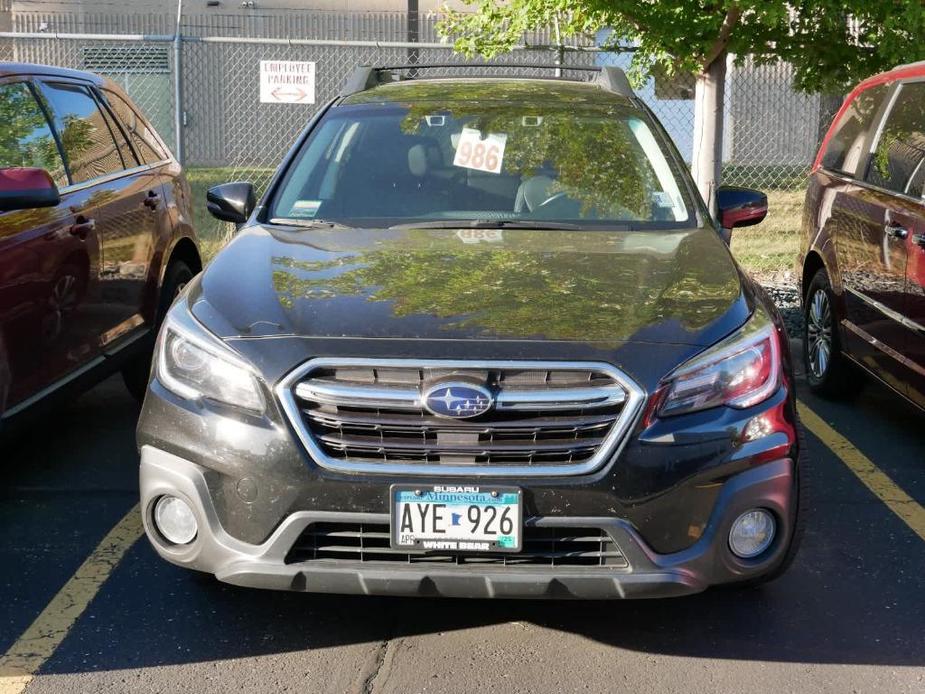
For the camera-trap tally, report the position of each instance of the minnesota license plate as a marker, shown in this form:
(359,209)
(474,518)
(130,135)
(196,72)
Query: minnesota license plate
(456,518)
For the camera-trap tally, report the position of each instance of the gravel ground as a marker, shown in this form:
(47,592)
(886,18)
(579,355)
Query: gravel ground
(783,288)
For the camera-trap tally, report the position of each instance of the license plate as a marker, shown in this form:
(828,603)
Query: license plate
(456,518)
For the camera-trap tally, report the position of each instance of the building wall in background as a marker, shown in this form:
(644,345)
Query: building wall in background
(227,7)
(770,136)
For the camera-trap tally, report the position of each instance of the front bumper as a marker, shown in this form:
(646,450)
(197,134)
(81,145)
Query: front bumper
(706,562)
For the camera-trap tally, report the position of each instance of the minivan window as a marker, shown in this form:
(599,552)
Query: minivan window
(129,159)
(845,147)
(89,148)
(901,147)
(25,136)
(143,139)
(379,166)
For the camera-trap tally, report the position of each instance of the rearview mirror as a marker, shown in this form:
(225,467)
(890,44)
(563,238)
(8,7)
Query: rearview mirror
(231,202)
(25,188)
(740,207)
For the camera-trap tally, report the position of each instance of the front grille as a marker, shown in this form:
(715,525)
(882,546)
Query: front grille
(546,418)
(542,546)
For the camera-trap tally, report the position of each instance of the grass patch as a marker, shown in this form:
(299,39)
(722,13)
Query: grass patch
(773,245)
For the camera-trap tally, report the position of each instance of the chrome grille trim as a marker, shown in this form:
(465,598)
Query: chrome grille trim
(400,400)
(408,398)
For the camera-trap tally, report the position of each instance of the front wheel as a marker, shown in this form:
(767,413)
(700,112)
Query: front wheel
(136,372)
(828,371)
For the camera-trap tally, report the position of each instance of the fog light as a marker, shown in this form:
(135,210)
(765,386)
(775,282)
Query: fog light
(175,520)
(752,533)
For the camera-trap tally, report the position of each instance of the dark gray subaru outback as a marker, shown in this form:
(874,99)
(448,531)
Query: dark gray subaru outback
(480,338)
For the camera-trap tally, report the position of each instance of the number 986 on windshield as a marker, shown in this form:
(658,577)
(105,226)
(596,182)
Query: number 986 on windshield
(462,519)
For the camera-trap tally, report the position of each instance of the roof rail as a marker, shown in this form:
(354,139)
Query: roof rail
(361,79)
(611,79)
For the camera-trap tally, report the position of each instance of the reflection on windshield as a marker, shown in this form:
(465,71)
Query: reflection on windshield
(376,166)
(584,291)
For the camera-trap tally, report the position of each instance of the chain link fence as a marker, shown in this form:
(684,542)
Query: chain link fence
(771,131)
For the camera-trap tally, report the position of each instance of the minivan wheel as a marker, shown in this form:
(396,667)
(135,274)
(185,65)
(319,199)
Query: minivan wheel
(137,371)
(828,371)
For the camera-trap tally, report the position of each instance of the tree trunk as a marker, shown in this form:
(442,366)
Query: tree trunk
(706,165)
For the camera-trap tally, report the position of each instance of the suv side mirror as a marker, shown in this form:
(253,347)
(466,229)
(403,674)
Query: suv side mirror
(23,188)
(231,202)
(740,207)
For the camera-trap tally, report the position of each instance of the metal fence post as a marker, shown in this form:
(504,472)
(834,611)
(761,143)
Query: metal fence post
(413,33)
(178,86)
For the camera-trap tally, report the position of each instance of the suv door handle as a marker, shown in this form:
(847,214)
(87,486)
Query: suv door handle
(152,200)
(919,240)
(896,231)
(82,227)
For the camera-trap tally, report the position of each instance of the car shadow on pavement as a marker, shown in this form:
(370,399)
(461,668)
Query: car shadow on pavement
(854,595)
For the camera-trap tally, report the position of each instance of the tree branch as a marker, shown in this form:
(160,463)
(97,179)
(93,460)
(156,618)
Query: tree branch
(725,32)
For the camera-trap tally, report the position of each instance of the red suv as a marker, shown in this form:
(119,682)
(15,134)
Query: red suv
(863,256)
(95,234)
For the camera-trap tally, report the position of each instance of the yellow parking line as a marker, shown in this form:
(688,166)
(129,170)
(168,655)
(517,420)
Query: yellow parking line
(37,644)
(900,503)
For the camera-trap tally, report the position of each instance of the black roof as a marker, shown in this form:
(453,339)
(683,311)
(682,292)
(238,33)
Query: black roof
(12,69)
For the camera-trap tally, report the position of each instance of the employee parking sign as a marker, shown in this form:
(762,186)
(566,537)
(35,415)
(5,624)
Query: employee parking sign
(287,82)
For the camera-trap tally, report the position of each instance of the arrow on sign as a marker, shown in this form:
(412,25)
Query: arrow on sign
(293,94)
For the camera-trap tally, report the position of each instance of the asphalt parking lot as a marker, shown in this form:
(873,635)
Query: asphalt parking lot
(848,617)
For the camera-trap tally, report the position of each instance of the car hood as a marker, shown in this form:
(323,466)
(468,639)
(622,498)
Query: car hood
(601,288)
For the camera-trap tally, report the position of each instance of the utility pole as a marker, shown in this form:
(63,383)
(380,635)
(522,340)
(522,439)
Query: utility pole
(178,86)
(413,31)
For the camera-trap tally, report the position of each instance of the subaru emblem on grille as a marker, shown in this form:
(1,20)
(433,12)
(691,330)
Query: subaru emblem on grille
(457,400)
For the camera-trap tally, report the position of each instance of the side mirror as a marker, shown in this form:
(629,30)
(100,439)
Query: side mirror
(231,202)
(24,188)
(740,207)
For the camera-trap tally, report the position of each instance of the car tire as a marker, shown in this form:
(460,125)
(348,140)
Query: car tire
(137,372)
(828,371)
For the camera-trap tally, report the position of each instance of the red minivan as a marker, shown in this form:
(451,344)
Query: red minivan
(863,251)
(95,235)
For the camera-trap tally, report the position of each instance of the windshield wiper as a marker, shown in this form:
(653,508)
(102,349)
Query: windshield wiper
(486,224)
(308,223)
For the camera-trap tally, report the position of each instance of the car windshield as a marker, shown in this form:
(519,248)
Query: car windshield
(484,164)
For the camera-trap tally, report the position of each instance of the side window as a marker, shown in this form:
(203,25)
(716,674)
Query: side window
(87,142)
(916,187)
(128,157)
(901,146)
(846,145)
(25,136)
(143,138)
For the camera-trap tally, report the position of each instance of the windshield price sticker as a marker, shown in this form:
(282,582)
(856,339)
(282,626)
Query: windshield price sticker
(473,151)
(480,235)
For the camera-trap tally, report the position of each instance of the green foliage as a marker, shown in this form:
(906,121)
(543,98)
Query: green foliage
(602,287)
(25,139)
(597,159)
(829,51)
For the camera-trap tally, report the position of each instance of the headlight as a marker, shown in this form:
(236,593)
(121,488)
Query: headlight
(194,369)
(740,371)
